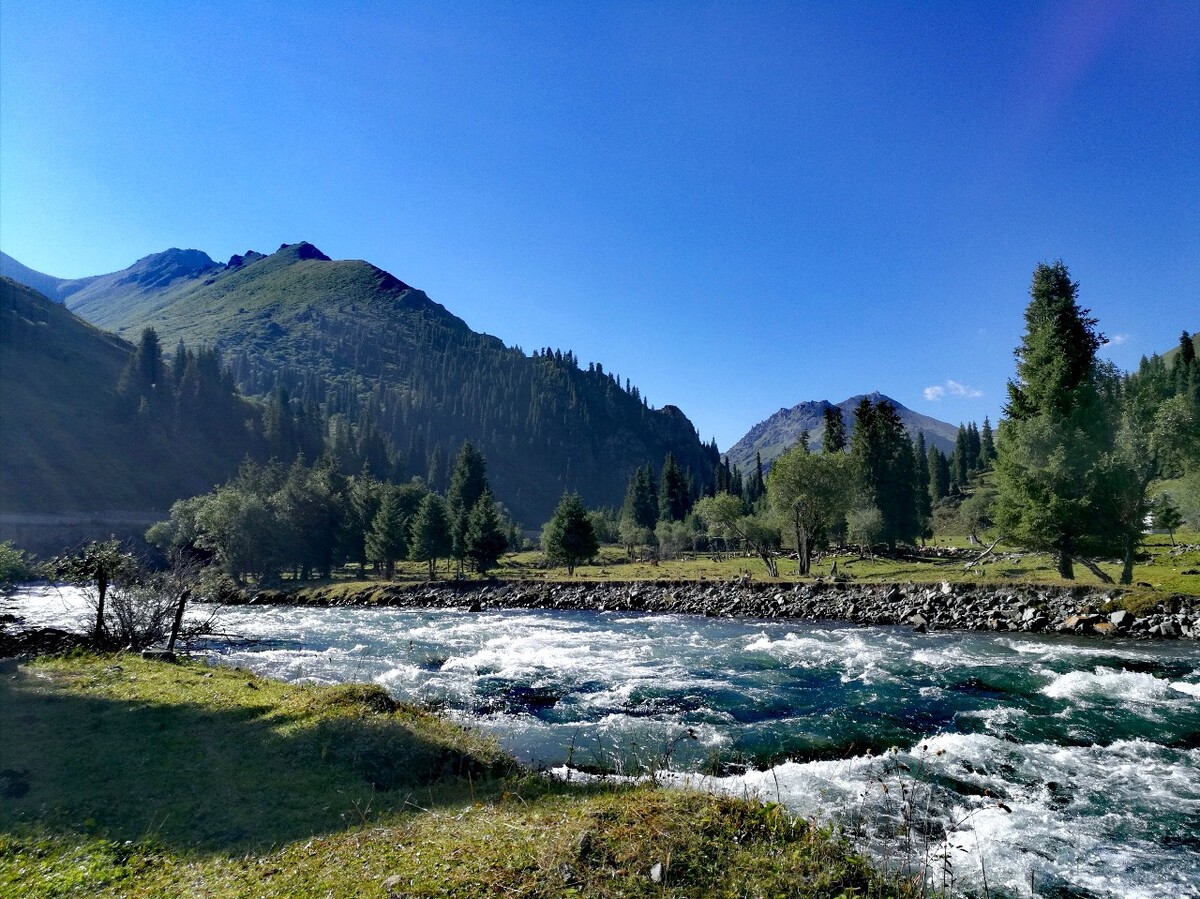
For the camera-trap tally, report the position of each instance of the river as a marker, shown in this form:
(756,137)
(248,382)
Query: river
(1016,765)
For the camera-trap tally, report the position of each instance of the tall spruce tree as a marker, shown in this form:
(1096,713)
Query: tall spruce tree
(1056,427)
(387,540)
(834,439)
(881,448)
(468,482)
(485,540)
(431,539)
(921,487)
(987,445)
(674,496)
(569,537)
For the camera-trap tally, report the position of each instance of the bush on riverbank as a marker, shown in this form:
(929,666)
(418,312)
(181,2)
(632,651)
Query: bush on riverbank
(122,777)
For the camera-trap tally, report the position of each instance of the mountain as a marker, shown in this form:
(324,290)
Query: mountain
(73,439)
(96,298)
(783,429)
(350,343)
(47,285)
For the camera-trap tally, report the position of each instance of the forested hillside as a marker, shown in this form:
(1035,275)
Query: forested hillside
(345,347)
(86,426)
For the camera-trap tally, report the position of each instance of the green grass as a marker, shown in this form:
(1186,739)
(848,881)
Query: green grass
(1161,571)
(122,777)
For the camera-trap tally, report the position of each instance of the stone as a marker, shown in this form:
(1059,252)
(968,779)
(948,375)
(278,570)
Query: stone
(1121,619)
(656,872)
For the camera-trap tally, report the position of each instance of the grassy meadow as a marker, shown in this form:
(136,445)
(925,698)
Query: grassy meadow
(127,778)
(1167,568)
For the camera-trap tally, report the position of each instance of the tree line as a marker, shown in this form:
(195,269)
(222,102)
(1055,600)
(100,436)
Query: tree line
(306,520)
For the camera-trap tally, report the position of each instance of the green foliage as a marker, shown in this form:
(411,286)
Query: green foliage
(834,439)
(726,518)
(675,493)
(884,455)
(1057,426)
(865,526)
(431,537)
(387,540)
(484,539)
(71,441)
(1166,515)
(810,495)
(15,567)
(468,483)
(97,566)
(568,538)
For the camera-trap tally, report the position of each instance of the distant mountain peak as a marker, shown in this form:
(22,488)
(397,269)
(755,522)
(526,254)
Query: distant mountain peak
(237,261)
(303,250)
(771,437)
(161,269)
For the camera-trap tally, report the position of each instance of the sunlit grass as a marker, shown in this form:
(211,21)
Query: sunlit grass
(126,778)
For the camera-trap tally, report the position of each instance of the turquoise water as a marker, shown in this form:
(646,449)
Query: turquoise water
(1070,764)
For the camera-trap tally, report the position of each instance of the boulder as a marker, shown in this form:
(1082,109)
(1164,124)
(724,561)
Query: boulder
(1121,619)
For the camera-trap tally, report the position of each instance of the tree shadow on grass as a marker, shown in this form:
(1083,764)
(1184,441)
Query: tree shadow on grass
(226,777)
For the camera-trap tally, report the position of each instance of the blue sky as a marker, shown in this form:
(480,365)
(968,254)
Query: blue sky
(739,206)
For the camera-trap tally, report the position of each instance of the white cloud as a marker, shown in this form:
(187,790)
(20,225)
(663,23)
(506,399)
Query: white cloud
(962,390)
(951,388)
(1118,339)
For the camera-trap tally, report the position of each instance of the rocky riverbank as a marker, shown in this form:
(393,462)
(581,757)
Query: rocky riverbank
(1025,608)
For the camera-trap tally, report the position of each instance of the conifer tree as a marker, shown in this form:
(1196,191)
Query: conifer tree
(923,480)
(674,497)
(430,539)
(569,537)
(834,440)
(882,450)
(468,482)
(387,540)
(485,540)
(1056,427)
(987,445)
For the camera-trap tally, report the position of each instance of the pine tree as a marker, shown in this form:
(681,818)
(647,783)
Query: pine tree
(1056,427)
(939,474)
(987,446)
(974,448)
(834,440)
(569,537)
(959,468)
(387,540)
(881,449)
(430,539)
(468,482)
(485,540)
(923,481)
(675,498)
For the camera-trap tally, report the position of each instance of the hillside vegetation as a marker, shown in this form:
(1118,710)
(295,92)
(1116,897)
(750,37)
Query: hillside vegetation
(351,342)
(70,440)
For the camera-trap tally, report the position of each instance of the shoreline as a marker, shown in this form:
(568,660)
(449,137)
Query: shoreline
(1020,608)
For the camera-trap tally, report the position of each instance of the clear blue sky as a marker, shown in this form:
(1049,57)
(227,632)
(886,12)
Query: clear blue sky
(738,205)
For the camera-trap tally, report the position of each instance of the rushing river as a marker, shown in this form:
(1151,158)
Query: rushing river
(1053,767)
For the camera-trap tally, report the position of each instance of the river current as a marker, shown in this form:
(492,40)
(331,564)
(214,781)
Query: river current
(1014,765)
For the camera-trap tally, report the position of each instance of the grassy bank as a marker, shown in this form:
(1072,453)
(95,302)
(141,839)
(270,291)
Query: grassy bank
(1164,568)
(121,777)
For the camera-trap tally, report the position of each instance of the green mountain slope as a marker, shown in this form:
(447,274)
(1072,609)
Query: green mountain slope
(351,340)
(70,441)
(772,436)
